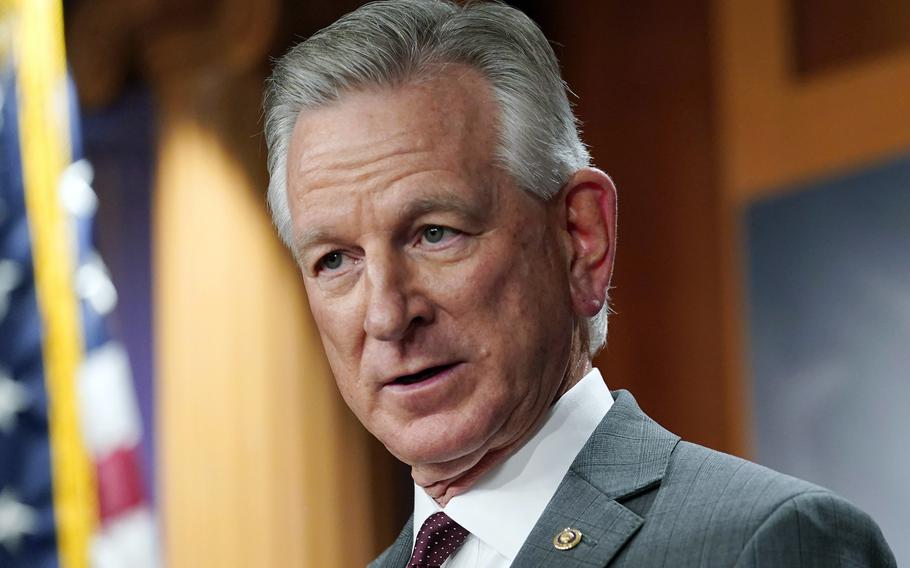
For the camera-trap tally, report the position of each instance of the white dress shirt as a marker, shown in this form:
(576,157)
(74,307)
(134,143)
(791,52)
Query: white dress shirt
(504,505)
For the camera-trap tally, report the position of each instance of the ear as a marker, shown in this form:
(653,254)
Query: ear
(590,221)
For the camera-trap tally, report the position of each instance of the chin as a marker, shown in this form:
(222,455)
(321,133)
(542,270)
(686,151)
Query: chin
(439,446)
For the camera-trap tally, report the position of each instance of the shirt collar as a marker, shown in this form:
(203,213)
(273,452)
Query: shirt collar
(504,505)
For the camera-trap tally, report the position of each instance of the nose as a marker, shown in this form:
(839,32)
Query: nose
(395,308)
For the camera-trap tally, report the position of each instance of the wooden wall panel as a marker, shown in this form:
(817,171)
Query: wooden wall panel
(257,451)
(776,127)
(642,71)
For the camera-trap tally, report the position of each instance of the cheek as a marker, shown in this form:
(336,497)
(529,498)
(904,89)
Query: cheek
(530,305)
(506,293)
(473,288)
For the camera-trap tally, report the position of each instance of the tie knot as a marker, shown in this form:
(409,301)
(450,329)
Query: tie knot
(439,538)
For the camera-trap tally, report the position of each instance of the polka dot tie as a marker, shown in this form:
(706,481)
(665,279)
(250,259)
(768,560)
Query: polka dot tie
(439,538)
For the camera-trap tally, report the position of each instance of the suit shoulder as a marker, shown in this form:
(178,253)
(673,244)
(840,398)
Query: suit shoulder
(817,528)
(737,509)
(716,475)
(715,509)
(398,553)
(380,560)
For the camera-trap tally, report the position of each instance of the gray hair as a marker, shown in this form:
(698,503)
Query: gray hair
(390,42)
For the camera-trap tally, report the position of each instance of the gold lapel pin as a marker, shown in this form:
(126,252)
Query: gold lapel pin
(568,538)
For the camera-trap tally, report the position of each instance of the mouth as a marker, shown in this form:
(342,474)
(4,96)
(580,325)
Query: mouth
(422,376)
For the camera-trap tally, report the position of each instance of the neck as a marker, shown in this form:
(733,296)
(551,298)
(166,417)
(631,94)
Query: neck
(474,468)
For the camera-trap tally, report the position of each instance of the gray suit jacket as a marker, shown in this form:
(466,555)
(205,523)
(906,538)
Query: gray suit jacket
(642,497)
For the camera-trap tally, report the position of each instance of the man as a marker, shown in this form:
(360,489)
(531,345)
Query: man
(457,248)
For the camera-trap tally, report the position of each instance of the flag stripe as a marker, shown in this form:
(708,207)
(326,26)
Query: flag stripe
(119,484)
(44,138)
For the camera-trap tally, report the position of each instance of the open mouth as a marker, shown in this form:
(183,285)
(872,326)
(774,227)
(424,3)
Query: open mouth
(424,375)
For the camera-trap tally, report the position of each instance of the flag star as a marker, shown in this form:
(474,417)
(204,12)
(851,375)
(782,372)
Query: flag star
(10,277)
(76,192)
(13,399)
(16,520)
(93,284)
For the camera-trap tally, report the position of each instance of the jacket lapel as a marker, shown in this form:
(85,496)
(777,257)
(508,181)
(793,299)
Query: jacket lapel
(627,454)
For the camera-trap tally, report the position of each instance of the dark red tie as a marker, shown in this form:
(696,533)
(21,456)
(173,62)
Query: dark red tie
(439,538)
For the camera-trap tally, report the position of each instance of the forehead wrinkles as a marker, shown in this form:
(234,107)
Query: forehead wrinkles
(327,165)
(454,111)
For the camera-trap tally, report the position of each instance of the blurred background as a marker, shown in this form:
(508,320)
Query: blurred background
(163,395)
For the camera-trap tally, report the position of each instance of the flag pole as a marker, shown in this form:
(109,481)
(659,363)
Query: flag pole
(44,138)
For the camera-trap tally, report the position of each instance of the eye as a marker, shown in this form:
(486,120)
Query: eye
(331,261)
(435,234)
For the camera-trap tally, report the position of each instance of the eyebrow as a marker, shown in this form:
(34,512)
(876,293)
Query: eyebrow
(307,239)
(441,203)
(412,210)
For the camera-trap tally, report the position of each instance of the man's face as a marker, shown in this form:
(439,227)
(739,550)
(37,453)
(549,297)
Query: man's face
(439,288)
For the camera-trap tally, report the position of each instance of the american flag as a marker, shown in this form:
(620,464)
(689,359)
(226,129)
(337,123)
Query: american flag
(71,488)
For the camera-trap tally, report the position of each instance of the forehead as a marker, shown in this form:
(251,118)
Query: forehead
(447,121)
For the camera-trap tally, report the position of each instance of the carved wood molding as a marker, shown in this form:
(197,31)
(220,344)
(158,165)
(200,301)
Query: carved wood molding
(778,128)
(165,41)
(101,42)
(232,38)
